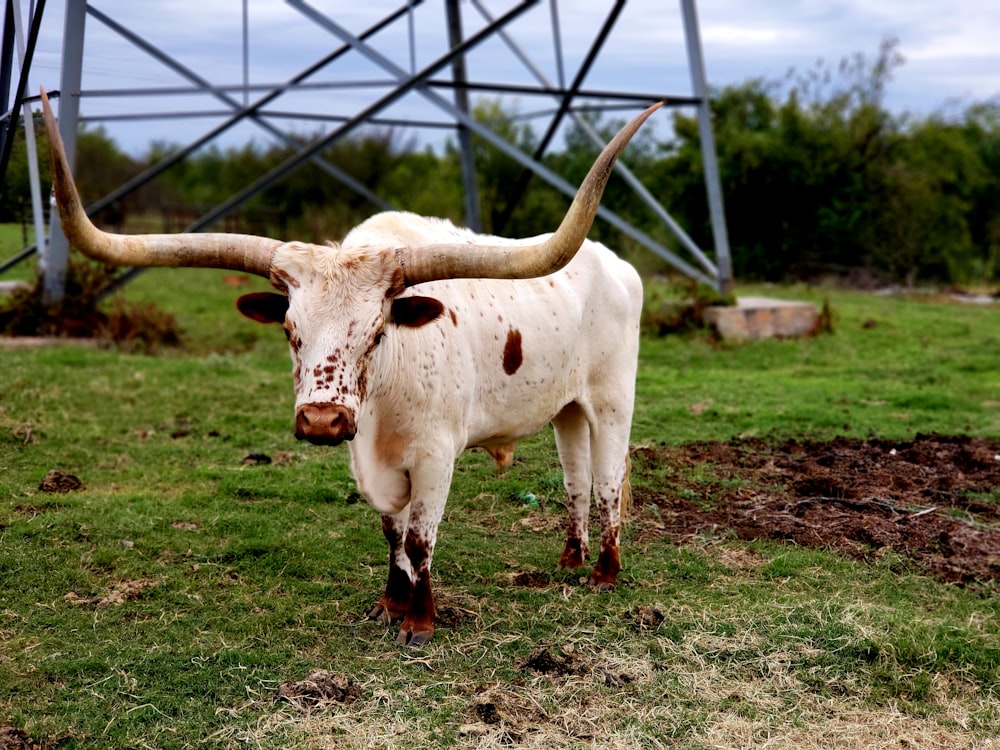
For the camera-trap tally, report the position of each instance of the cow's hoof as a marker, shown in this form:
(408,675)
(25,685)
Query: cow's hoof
(381,615)
(415,640)
(601,587)
(573,556)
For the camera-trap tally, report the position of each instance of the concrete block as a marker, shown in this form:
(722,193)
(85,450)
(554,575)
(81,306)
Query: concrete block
(9,287)
(762,318)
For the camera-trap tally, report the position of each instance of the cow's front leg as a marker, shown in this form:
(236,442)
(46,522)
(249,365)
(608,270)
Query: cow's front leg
(399,586)
(388,491)
(417,627)
(430,482)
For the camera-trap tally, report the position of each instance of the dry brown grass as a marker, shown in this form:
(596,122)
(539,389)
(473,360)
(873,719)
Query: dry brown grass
(703,690)
(681,697)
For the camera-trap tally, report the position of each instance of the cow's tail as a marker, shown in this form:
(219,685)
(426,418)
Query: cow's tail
(626,496)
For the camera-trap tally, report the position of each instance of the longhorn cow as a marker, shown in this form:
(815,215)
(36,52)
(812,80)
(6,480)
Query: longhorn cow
(415,339)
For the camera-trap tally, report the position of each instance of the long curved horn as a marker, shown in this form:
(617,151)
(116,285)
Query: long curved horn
(455,261)
(236,252)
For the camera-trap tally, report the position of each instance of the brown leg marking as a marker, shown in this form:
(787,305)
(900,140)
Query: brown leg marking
(605,574)
(574,554)
(418,624)
(398,587)
(396,599)
(577,550)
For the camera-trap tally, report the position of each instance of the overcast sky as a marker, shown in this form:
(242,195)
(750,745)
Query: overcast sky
(951,51)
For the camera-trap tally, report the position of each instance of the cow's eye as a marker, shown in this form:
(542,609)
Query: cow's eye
(378,338)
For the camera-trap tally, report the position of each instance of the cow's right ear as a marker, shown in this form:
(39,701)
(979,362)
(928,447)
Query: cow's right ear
(264,307)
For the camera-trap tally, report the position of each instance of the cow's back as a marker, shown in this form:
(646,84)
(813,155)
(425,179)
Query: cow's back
(506,356)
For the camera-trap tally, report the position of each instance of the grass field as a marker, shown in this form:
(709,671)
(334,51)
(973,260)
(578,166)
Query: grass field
(163,605)
(13,239)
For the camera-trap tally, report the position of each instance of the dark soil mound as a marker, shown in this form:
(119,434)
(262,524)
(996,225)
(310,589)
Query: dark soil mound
(931,499)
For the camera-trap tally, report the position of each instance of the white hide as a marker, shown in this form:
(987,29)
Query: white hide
(429,392)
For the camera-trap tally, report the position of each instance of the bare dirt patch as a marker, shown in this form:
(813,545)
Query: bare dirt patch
(119,593)
(12,738)
(531,579)
(319,690)
(931,499)
(545,661)
(60,482)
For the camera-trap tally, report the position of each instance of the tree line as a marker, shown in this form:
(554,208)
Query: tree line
(819,179)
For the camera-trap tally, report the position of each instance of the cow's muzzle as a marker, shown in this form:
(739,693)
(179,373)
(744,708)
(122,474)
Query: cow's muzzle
(324,424)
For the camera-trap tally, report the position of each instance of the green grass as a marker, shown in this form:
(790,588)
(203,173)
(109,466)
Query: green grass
(248,576)
(893,367)
(13,239)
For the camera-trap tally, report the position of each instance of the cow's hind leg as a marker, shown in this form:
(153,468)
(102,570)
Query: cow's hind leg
(399,586)
(573,441)
(610,466)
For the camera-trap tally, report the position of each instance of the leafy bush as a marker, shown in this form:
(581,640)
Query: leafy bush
(81,314)
(678,307)
(819,179)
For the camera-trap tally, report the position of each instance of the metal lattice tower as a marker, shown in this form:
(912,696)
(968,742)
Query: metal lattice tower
(446,95)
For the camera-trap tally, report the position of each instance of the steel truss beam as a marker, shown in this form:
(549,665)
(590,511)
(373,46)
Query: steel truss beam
(568,101)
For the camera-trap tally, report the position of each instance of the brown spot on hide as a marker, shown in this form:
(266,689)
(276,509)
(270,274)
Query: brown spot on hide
(392,536)
(417,550)
(512,356)
(282,280)
(454,318)
(363,383)
(389,448)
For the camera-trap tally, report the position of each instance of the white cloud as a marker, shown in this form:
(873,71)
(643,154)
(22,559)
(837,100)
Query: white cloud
(742,37)
(950,48)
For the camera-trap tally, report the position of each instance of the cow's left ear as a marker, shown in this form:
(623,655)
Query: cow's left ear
(415,311)
(264,307)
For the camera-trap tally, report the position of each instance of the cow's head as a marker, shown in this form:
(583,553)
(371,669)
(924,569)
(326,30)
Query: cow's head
(336,304)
